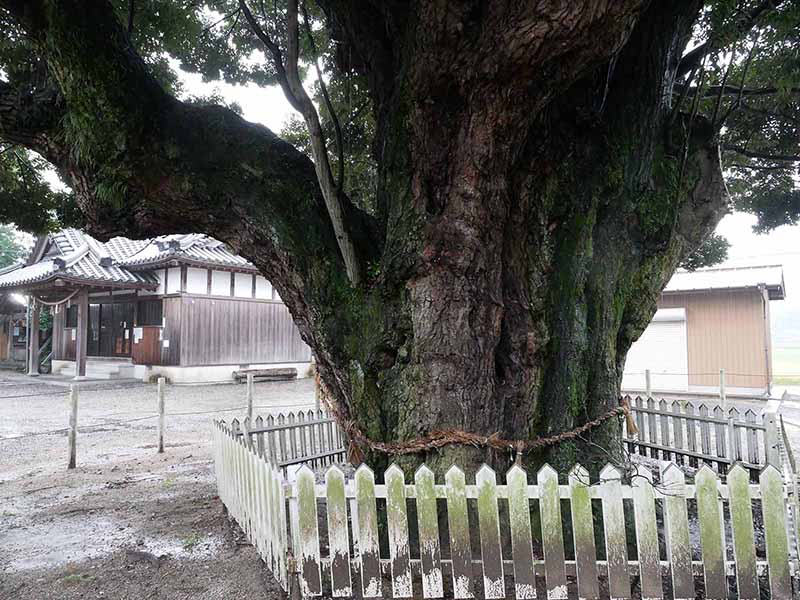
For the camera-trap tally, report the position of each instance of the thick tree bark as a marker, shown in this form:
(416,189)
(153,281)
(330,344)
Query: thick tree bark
(534,199)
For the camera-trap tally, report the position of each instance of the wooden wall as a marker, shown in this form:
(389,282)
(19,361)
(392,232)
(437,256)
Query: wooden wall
(63,344)
(725,330)
(171,332)
(148,349)
(223,332)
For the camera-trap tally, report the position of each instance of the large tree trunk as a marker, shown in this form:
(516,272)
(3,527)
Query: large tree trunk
(536,193)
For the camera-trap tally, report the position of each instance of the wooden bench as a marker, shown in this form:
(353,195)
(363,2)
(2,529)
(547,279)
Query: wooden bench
(265,374)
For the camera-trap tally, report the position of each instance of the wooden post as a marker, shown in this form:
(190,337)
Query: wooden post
(771,434)
(250,396)
(73,424)
(10,353)
(161,417)
(723,398)
(82,331)
(648,388)
(33,340)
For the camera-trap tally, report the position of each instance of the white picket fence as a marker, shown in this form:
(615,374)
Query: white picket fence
(306,437)
(342,537)
(708,433)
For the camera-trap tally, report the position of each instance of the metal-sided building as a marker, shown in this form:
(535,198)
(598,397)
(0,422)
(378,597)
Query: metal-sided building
(707,320)
(182,306)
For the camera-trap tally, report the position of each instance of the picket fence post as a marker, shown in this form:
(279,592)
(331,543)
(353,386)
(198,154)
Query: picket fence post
(310,553)
(771,434)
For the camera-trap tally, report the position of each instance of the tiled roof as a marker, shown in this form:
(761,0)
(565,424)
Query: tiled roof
(769,276)
(196,248)
(78,257)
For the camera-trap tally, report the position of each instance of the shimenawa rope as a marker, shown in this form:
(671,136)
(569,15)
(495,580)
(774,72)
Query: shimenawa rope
(446,437)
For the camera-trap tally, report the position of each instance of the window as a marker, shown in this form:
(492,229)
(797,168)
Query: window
(149,312)
(72,316)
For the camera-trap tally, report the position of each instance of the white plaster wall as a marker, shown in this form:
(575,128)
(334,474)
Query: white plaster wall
(263,288)
(243,285)
(220,283)
(196,281)
(174,280)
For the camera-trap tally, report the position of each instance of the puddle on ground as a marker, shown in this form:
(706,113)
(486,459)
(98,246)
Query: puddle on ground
(63,541)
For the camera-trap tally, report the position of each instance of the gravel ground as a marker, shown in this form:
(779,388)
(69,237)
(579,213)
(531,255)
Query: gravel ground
(127,522)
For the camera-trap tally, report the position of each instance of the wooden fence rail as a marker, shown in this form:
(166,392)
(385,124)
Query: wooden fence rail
(654,536)
(706,434)
(308,437)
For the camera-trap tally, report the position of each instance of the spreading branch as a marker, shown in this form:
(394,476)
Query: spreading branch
(289,79)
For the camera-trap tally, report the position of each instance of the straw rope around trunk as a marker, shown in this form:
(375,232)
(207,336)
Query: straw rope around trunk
(446,437)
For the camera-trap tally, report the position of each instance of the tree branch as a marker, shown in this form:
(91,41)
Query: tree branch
(30,118)
(324,88)
(289,78)
(693,57)
(761,154)
(732,90)
(131,15)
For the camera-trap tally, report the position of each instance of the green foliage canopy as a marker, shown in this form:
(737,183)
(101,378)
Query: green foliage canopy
(742,73)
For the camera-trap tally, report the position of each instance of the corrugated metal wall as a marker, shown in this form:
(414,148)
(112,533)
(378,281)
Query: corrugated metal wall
(219,332)
(725,330)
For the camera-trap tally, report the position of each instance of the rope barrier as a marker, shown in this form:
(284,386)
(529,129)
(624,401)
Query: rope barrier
(82,389)
(441,438)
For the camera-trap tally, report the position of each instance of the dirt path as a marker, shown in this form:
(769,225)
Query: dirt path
(127,523)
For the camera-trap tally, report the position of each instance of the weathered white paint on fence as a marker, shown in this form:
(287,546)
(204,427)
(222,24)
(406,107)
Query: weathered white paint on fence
(772,506)
(310,437)
(552,536)
(458,524)
(676,526)
(519,516)
(338,539)
(368,545)
(709,435)
(311,573)
(744,547)
(427,520)
(489,527)
(397,521)
(253,490)
(619,583)
(709,512)
(644,513)
(583,533)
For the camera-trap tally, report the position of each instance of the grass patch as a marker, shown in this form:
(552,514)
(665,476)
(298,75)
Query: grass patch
(77,578)
(191,541)
(786,365)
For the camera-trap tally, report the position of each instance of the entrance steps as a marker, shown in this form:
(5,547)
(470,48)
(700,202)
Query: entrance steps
(102,369)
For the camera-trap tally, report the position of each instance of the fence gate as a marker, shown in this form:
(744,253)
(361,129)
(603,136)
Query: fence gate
(409,535)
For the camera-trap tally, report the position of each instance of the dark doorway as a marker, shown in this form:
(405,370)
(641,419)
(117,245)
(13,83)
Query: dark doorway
(110,329)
